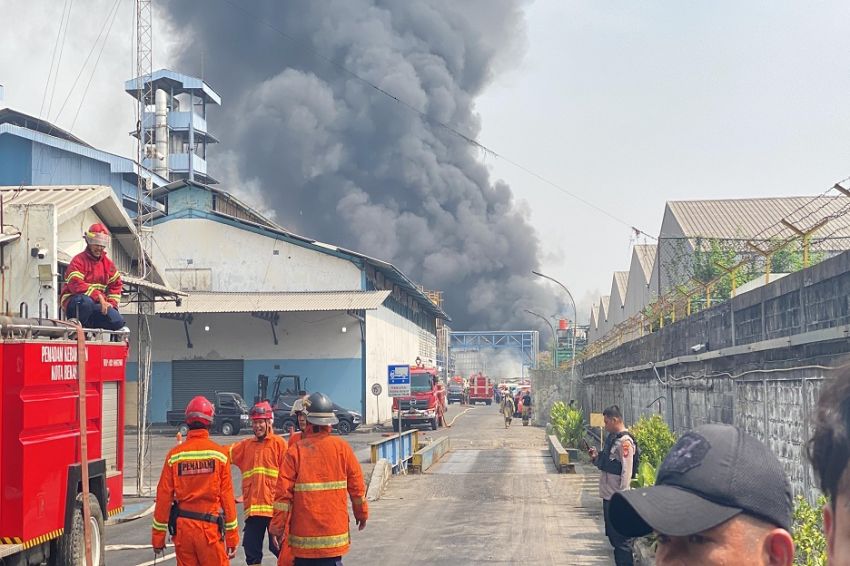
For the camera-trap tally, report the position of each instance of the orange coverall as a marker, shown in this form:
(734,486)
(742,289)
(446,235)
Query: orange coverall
(197,476)
(260,462)
(319,474)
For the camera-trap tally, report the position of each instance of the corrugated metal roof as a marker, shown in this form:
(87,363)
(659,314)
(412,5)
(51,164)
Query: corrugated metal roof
(117,164)
(69,200)
(594,316)
(621,280)
(754,217)
(178,81)
(646,258)
(276,302)
(604,302)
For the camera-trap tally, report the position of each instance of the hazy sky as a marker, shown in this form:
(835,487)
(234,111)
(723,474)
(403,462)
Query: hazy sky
(628,104)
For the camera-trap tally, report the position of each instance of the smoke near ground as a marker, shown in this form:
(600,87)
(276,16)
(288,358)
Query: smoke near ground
(337,161)
(495,364)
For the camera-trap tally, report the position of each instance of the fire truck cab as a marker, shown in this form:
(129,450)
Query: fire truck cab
(426,404)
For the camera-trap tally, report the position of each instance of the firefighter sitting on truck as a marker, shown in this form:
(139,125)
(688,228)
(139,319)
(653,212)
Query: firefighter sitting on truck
(194,497)
(93,284)
(259,459)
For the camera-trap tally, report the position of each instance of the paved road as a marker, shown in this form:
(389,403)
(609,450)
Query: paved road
(495,499)
(126,537)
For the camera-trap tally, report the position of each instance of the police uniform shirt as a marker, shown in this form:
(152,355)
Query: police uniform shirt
(624,451)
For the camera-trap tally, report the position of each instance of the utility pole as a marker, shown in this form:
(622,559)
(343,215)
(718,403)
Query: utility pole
(144,93)
(575,321)
(554,337)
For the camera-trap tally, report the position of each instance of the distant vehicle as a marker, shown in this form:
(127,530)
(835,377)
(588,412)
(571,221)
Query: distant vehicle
(427,403)
(480,389)
(231,415)
(456,390)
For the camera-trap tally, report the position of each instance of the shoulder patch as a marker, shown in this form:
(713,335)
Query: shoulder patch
(627,447)
(688,453)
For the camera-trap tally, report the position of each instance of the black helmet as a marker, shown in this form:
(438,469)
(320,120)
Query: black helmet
(320,410)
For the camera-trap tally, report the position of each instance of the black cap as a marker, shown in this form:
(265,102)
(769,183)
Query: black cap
(712,474)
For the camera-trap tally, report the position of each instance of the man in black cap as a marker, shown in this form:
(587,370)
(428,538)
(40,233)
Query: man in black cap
(829,453)
(721,497)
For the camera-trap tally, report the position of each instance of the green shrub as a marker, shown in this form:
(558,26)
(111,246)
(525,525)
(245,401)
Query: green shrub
(567,425)
(809,539)
(654,438)
(645,475)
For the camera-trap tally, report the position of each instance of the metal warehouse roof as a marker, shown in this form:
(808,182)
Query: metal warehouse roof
(276,302)
(646,257)
(754,217)
(621,279)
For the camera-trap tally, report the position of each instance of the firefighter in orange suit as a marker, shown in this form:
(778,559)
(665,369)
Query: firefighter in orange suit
(259,459)
(194,497)
(286,558)
(319,474)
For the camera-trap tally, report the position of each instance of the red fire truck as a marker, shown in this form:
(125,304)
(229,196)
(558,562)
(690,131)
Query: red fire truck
(41,477)
(426,403)
(480,389)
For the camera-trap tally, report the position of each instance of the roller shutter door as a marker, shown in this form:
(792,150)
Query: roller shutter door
(109,425)
(204,377)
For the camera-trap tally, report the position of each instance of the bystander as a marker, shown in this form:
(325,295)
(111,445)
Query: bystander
(829,453)
(615,463)
(721,497)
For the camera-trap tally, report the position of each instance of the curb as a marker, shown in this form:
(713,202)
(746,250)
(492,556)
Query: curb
(381,474)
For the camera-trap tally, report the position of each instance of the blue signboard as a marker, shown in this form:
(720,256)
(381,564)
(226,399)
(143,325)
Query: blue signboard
(398,381)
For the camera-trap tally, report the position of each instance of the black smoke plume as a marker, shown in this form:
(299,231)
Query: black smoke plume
(339,162)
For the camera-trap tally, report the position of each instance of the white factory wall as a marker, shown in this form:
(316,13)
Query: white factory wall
(37,223)
(234,259)
(390,339)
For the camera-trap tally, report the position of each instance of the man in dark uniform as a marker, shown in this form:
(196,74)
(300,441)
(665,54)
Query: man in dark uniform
(615,463)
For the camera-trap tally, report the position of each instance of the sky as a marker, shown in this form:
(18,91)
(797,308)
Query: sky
(624,104)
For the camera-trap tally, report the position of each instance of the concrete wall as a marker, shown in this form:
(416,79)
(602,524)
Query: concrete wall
(390,339)
(768,353)
(240,260)
(547,388)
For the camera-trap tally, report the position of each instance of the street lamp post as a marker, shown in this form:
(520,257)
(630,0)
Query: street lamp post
(554,337)
(575,320)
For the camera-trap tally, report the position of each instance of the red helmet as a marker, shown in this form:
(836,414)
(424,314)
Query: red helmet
(262,411)
(200,411)
(97,234)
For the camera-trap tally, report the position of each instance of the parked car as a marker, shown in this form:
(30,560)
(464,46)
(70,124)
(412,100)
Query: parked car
(231,415)
(348,420)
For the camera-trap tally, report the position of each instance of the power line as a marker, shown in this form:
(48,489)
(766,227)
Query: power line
(96,63)
(468,139)
(59,61)
(109,15)
(52,60)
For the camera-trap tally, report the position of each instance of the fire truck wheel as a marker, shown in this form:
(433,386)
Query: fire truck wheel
(434,424)
(488,402)
(71,547)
